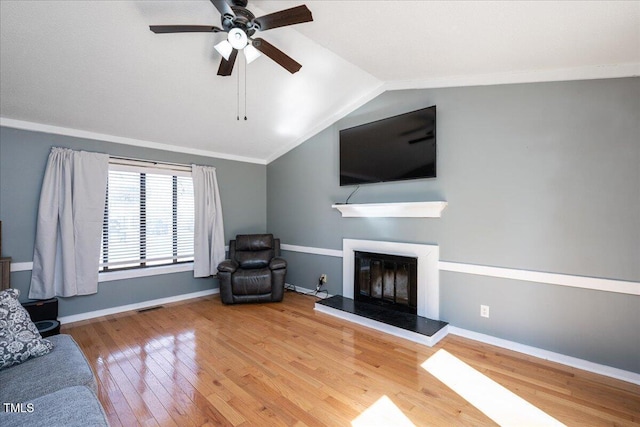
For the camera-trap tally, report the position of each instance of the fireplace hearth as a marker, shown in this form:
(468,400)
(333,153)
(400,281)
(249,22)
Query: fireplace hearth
(406,325)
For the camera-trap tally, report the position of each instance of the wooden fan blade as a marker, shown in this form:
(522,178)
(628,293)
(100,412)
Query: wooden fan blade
(223,7)
(226,67)
(277,55)
(164,29)
(295,15)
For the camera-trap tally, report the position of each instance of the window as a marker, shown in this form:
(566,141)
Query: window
(148,218)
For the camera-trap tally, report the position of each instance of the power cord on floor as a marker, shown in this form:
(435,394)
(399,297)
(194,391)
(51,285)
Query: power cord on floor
(292,288)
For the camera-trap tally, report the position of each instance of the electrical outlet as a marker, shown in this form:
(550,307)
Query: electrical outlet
(322,280)
(484,310)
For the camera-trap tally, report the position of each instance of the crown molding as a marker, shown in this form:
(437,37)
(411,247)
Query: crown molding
(77,133)
(613,71)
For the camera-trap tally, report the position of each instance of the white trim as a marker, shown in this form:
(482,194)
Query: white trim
(144,272)
(136,306)
(310,250)
(583,282)
(428,300)
(383,327)
(77,133)
(563,74)
(595,283)
(392,210)
(120,274)
(21,266)
(596,368)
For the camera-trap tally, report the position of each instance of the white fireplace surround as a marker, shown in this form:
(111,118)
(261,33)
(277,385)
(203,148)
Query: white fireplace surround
(428,273)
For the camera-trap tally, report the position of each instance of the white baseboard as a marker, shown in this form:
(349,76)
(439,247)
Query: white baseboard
(152,303)
(574,362)
(137,306)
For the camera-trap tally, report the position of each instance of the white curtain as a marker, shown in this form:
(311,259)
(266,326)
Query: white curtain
(208,233)
(69,227)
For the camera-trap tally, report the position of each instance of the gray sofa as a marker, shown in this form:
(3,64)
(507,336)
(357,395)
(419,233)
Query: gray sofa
(57,389)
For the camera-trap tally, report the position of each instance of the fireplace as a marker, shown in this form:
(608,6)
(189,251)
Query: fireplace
(428,284)
(401,263)
(386,280)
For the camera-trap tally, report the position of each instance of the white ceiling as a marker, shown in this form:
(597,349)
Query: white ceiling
(93,68)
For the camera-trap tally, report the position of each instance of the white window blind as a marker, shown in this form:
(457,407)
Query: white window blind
(148,218)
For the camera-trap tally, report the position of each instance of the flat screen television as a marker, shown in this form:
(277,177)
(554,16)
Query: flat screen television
(393,149)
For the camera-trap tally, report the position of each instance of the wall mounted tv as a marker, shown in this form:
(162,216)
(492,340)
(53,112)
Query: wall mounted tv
(393,149)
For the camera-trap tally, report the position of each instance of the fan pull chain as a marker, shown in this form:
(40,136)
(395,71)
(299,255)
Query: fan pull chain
(245,87)
(238,94)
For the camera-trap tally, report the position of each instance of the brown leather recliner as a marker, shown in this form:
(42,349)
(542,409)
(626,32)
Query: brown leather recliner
(254,271)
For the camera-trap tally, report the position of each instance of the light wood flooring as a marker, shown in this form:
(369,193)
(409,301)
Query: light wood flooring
(199,362)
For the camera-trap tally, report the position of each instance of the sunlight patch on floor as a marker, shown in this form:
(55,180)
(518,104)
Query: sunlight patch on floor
(382,413)
(495,401)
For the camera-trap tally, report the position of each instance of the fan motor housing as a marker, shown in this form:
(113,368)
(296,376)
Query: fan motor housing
(243,20)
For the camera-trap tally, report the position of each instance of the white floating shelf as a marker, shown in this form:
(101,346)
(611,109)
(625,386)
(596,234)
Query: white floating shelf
(393,210)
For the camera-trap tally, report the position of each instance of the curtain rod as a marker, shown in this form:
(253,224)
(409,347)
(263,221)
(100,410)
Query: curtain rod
(155,162)
(161,164)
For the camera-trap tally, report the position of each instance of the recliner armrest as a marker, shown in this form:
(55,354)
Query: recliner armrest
(277,263)
(228,266)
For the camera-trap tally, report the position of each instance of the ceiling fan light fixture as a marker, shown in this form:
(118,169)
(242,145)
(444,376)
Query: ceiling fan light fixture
(251,53)
(224,48)
(240,24)
(237,38)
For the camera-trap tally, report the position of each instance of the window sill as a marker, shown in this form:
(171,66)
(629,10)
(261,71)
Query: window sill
(144,272)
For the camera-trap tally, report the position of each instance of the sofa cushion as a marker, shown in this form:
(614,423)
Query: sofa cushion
(64,366)
(70,407)
(19,337)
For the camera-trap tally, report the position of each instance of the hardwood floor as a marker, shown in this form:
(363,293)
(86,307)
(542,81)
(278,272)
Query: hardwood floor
(201,363)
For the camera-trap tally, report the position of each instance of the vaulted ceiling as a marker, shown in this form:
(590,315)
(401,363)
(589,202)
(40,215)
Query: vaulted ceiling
(94,66)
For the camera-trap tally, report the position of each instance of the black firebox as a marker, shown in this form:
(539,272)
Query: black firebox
(388,280)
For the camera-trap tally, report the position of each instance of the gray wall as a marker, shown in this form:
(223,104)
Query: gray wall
(23,157)
(542,177)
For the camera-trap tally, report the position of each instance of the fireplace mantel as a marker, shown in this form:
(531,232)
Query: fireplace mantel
(392,210)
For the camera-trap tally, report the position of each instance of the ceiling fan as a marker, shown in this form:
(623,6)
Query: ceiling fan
(240,25)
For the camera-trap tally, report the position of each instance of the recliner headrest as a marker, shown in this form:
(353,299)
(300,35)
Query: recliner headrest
(254,242)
